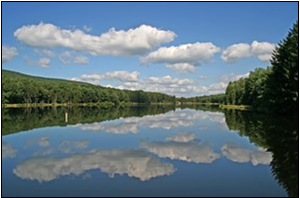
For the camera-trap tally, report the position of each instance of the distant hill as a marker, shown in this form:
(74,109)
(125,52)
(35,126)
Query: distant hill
(18,88)
(15,75)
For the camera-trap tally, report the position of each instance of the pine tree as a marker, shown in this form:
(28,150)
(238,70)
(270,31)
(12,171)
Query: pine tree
(283,83)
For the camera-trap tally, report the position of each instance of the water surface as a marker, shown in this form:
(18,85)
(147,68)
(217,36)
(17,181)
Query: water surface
(148,151)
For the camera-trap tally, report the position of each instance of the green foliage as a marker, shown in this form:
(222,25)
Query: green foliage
(274,89)
(23,89)
(250,90)
(217,98)
(283,83)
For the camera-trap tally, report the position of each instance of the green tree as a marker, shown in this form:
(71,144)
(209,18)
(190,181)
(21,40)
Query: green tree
(283,83)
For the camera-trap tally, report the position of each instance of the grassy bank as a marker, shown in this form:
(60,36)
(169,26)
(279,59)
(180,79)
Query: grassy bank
(111,104)
(237,107)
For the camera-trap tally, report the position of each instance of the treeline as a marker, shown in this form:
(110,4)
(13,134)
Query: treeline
(19,89)
(217,98)
(275,88)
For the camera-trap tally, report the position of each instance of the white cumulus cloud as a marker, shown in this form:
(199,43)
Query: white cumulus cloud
(81,60)
(166,84)
(123,76)
(188,53)
(235,52)
(68,58)
(182,58)
(135,41)
(42,62)
(45,52)
(8,53)
(263,51)
(182,67)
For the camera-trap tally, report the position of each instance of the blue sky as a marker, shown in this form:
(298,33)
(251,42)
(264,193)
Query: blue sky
(183,49)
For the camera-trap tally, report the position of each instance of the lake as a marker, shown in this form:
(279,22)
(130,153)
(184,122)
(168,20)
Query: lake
(148,151)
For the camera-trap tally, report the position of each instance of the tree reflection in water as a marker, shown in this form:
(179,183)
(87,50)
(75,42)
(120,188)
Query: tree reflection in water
(277,134)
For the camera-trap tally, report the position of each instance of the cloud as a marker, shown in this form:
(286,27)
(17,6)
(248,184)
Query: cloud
(68,58)
(235,52)
(135,41)
(188,53)
(182,67)
(232,77)
(81,60)
(42,62)
(217,87)
(221,86)
(181,87)
(182,58)
(263,50)
(45,52)
(8,151)
(238,154)
(122,76)
(185,151)
(183,137)
(168,80)
(165,84)
(8,53)
(134,163)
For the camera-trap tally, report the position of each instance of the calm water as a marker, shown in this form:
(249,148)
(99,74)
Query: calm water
(148,151)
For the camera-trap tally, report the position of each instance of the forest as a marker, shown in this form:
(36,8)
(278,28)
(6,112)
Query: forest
(18,88)
(275,88)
